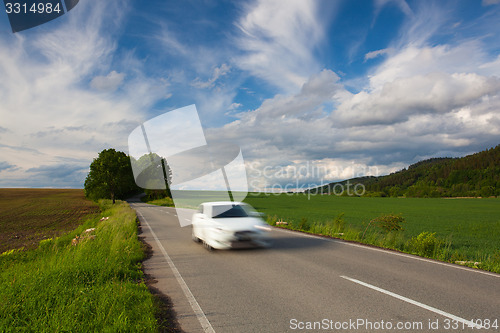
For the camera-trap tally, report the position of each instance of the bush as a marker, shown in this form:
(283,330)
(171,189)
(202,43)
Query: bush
(156,194)
(338,223)
(426,244)
(389,222)
(271,220)
(304,224)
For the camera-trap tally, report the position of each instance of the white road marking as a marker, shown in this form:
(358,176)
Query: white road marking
(423,306)
(409,256)
(205,324)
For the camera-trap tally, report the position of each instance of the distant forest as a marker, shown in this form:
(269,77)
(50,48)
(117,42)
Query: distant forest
(476,175)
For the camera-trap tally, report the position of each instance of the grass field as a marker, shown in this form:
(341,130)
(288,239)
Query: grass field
(471,227)
(84,280)
(30,215)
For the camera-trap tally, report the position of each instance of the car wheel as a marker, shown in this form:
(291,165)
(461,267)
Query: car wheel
(208,246)
(195,239)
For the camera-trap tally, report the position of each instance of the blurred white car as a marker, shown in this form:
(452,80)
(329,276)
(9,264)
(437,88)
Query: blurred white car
(226,225)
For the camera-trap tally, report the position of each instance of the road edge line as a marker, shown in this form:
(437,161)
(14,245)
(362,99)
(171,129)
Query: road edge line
(389,251)
(204,322)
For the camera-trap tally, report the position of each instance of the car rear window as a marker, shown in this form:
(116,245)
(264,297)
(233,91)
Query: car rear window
(223,211)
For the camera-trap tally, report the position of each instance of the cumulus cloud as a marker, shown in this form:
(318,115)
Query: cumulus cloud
(421,102)
(287,128)
(412,60)
(397,100)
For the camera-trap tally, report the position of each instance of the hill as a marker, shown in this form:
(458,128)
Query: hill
(476,175)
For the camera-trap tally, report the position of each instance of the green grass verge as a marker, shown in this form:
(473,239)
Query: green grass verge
(93,286)
(166,202)
(445,229)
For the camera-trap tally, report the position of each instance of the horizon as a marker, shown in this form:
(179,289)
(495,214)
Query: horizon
(293,190)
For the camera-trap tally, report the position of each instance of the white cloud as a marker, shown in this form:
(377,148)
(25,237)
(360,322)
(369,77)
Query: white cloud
(400,98)
(377,53)
(401,4)
(108,83)
(412,60)
(491,67)
(425,99)
(428,19)
(218,72)
(49,111)
(278,42)
(420,102)
(170,41)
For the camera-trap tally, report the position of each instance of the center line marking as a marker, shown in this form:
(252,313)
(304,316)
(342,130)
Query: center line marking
(408,300)
(205,324)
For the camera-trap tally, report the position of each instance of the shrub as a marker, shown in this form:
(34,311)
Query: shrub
(389,222)
(394,240)
(338,223)
(425,244)
(304,224)
(271,220)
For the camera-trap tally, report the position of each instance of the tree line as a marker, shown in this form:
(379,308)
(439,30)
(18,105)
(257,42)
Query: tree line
(476,175)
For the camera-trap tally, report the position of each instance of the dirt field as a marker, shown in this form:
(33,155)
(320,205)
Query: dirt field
(30,215)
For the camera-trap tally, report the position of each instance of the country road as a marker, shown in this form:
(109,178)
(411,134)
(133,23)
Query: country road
(310,284)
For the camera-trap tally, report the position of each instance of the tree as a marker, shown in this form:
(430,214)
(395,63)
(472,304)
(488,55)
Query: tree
(110,177)
(155,175)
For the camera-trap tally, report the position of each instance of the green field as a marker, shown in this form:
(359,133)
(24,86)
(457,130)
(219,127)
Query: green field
(471,225)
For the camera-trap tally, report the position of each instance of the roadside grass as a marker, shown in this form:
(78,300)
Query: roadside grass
(191,199)
(464,231)
(93,286)
(165,202)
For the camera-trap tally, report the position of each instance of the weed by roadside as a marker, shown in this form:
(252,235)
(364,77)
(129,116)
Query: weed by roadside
(166,202)
(93,285)
(387,231)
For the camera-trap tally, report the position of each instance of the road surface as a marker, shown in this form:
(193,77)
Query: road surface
(311,284)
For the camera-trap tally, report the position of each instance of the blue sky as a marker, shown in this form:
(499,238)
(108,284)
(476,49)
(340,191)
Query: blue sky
(312,91)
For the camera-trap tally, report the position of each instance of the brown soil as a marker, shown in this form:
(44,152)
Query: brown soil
(29,215)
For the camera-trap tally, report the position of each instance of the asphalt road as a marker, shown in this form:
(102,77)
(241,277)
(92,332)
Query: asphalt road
(312,284)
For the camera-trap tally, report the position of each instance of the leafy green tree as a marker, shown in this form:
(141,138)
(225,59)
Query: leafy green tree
(110,177)
(155,176)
